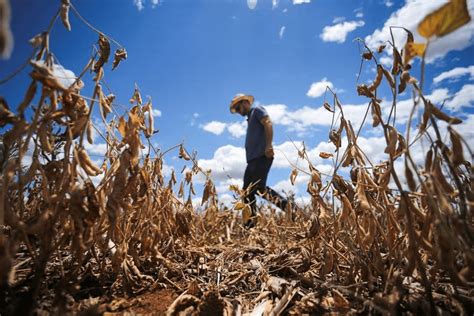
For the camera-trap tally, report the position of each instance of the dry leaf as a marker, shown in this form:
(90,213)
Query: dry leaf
(120,54)
(376,113)
(389,78)
(340,301)
(335,138)
(367,55)
(183,154)
(397,62)
(429,160)
(104,52)
(327,106)
(150,128)
(239,205)
(392,141)
(65,15)
(6,37)
(364,90)
(86,163)
(445,20)
(293,175)
(316,178)
(181,190)
(325,155)
(122,126)
(411,50)
(402,146)
(443,116)
(137,97)
(246,213)
(457,156)
(37,40)
(409,176)
(377,80)
(346,208)
(328,262)
(441,178)
(208,191)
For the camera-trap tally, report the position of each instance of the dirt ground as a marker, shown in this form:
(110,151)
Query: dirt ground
(152,303)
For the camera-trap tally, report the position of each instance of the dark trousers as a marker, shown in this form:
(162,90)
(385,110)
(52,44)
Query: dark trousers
(255,176)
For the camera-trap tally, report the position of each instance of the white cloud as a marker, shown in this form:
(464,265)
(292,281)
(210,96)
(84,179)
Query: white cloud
(388,3)
(96,149)
(156,113)
(228,162)
(338,32)
(438,96)
(373,147)
(237,129)
(359,13)
(278,113)
(301,1)
(252,4)
(303,118)
(455,74)
(66,76)
(214,127)
(194,118)
(338,19)
(409,16)
(223,186)
(275,4)
(463,98)
(285,186)
(282,31)
(226,199)
(387,61)
(139,4)
(317,89)
(286,155)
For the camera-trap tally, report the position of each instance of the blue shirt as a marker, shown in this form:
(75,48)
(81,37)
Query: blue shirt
(255,138)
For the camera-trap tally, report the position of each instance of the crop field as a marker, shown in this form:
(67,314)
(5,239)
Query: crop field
(378,240)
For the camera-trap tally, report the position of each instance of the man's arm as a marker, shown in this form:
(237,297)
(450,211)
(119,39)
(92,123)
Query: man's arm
(268,128)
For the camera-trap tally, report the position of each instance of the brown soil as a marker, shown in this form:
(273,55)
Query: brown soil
(154,303)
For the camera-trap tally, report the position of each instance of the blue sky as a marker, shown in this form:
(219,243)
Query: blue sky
(192,56)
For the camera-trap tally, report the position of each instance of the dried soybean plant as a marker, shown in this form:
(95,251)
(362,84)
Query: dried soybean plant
(63,232)
(419,232)
(80,234)
(388,239)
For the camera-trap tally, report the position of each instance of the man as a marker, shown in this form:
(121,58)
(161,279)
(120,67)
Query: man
(259,153)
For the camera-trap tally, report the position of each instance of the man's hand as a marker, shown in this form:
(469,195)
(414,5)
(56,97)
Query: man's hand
(269,152)
(268,128)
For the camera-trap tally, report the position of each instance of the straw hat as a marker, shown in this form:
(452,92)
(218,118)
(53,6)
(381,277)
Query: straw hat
(237,99)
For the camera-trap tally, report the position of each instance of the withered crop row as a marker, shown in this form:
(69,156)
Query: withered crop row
(370,243)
